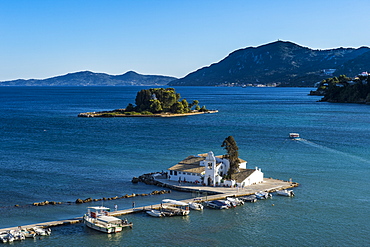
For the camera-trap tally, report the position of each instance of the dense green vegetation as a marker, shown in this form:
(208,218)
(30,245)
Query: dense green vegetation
(161,100)
(232,154)
(345,90)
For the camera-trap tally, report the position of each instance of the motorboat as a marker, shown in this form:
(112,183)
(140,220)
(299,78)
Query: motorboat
(235,201)
(29,233)
(294,136)
(263,195)
(250,198)
(11,235)
(171,207)
(288,193)
(196,205)
(218,204)
(6,237)
(17,234)
(41,231)
(98,218)
(155,213)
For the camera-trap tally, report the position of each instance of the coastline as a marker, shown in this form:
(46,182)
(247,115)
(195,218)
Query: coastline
(113,114)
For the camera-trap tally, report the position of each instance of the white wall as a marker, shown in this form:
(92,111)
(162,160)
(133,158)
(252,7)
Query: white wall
(189,177)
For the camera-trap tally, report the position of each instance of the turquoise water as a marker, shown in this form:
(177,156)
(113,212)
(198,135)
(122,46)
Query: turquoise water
(47,153)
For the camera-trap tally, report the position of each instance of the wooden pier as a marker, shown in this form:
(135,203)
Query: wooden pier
(206,194)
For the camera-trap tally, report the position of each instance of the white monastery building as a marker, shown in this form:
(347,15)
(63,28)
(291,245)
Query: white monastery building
(210,170)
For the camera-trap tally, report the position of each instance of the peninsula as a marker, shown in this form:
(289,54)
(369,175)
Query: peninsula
(344,89)
(155,102)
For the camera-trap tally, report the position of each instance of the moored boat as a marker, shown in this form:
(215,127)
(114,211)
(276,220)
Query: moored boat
(41,231)
(98,218)
(174,208)
(235,201)
(6,237)
(250,198)
(196,205)
(288,193)
(218,204)
(263,195)
(155,213)
(29,233)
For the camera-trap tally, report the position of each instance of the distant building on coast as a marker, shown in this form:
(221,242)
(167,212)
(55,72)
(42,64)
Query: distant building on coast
(211,170)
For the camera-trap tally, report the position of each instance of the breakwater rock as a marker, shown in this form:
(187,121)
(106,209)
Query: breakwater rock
(80,201)
(148,178)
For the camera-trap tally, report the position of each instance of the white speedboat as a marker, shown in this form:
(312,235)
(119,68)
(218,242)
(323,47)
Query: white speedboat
(235,201)
(294,136)
(98,218)
(41,231)
(250,198)
(17,234)
(155,213)
(6,237)
(29,233)
(218,204)
(196,205)
(285,193)
(263,195)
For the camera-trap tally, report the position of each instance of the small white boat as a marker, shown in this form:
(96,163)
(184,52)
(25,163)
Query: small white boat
(41,231)
(250,198)
(218,204)
(196,205)
(29,233)
(98,219)
(263,195)
(17,234)
(6,237)
(155,213)
(285,193)
(235,201)
(294,136)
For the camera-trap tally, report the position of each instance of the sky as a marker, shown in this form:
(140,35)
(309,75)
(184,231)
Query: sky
(46,38)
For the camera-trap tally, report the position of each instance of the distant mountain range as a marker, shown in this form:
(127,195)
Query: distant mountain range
(280,62)
(87,78)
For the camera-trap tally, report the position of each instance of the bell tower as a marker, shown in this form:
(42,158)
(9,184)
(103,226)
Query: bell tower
(210,169)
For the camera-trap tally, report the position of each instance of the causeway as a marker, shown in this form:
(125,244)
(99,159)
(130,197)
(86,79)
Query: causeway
(206,194)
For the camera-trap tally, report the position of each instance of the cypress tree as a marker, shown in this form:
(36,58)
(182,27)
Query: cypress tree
(232,154)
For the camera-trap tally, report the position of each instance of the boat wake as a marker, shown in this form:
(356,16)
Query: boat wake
(312,144)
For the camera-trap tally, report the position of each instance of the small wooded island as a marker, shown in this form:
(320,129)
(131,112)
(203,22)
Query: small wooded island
(155,102)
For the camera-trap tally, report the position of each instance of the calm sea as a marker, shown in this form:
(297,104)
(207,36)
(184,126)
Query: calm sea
(48,153)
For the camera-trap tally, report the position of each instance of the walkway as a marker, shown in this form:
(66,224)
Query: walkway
(206,194)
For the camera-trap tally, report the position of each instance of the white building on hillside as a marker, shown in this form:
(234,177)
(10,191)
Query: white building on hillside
(210,170)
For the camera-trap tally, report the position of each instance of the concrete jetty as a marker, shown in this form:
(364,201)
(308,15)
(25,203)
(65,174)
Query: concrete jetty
(205,193)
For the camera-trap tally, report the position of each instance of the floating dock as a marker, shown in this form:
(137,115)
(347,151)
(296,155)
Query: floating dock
(212,193)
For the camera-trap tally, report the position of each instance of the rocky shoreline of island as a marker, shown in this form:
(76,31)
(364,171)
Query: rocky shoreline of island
(122,113)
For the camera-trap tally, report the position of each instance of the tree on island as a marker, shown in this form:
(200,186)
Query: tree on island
(232,154)
(159,100)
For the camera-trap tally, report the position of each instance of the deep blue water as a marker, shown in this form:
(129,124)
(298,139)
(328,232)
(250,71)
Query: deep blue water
(48,153)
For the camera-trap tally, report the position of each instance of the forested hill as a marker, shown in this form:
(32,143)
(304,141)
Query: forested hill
(87,78)
(280,62)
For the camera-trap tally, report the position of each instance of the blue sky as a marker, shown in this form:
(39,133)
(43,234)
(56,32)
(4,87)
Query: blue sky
(45,38)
